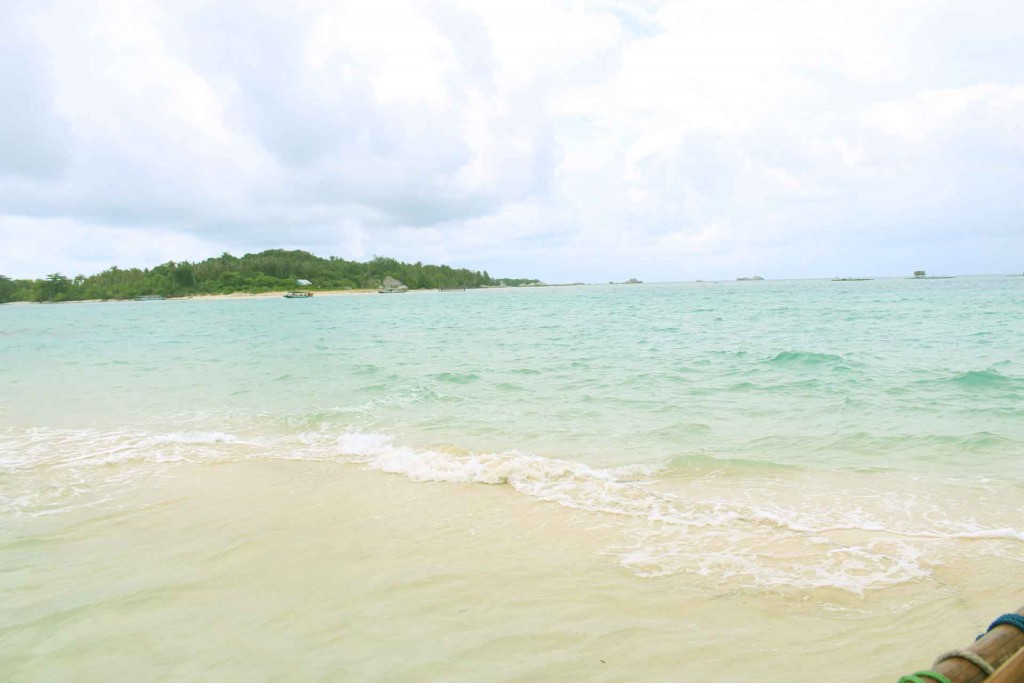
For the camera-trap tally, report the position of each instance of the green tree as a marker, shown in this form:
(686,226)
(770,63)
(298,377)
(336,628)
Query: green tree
(264,271)
(7,289)
(53,288)
(184,277)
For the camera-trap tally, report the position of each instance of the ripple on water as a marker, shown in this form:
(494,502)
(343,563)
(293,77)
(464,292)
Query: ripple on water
(987,380)
(456,377)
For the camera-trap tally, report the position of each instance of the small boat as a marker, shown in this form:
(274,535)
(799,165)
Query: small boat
(300,293)
(149,297)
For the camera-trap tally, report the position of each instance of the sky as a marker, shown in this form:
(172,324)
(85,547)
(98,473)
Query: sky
(567,141)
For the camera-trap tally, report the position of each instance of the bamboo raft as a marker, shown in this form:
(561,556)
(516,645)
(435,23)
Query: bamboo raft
(997,656)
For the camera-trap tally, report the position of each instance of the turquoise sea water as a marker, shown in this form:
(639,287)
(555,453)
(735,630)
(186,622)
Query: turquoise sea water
(795,436)
(892,374)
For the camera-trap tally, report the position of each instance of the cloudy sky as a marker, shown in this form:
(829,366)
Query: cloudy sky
(561,140)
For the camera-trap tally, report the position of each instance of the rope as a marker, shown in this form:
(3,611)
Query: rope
(970,657)
(916,677)
(1011,619)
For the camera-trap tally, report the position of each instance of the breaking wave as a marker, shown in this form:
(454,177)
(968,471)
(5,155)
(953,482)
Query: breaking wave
(735,524)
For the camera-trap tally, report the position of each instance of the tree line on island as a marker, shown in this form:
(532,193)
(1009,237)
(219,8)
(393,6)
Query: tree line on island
(267,271)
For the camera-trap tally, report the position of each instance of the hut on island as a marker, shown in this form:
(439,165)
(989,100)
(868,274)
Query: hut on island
(391,286)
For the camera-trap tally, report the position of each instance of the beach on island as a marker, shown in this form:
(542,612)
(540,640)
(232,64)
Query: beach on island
(215,297)
(273,294)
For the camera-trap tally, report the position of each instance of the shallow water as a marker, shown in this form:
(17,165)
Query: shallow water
(512,484)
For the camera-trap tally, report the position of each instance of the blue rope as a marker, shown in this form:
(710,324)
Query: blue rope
(1015,620)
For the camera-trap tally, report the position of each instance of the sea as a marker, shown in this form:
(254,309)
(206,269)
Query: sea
(804,480)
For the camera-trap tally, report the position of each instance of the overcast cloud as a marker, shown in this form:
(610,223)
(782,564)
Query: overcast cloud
(562,140)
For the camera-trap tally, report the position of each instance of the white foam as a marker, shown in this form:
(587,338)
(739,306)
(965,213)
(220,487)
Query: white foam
(571,484)
(1009,534)
(59,470)
(193,438)
(769,533)
(723,540)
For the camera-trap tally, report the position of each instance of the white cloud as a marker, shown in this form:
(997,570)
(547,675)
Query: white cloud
(926,114)
(407,69)
(77,248)
(535,39)
(557,139)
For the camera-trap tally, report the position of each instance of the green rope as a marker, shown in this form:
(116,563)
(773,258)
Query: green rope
(916,677)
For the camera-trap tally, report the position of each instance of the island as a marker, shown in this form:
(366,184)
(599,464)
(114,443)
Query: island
(268,273)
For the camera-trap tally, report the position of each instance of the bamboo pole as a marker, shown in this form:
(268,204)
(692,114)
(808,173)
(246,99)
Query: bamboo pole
(996,647)
(1012,671)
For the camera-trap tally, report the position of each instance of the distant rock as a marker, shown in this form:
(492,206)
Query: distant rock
(391,285)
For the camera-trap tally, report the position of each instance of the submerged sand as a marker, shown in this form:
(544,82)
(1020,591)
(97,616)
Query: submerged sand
(283,569)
